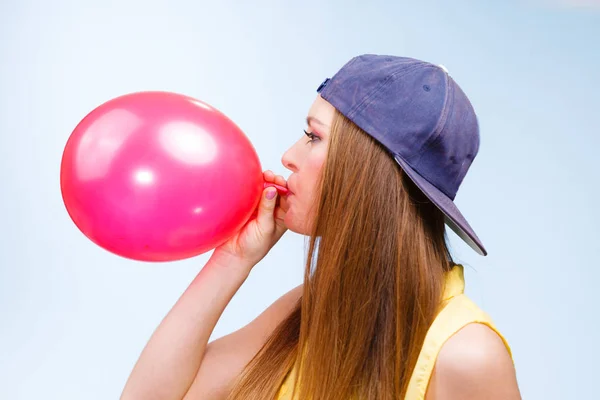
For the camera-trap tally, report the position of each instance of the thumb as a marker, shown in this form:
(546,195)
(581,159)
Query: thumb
(266,217)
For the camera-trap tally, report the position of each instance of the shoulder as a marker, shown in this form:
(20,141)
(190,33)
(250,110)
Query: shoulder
(473,364)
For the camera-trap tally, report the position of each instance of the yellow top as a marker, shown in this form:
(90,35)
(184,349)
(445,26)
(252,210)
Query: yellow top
(458,311)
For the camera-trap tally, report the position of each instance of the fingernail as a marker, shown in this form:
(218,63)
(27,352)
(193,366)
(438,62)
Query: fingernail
(271,194)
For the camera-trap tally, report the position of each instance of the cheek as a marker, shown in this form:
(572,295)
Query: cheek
(315,164)
(313,167)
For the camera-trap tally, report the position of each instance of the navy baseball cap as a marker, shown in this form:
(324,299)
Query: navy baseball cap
(421,116)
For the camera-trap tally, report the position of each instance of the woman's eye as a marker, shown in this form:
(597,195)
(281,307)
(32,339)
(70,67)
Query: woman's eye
(311,136)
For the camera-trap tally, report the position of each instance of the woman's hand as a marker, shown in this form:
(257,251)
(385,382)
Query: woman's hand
(264,228)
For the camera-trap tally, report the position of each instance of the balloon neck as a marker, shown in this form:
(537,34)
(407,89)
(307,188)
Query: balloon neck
(281,189)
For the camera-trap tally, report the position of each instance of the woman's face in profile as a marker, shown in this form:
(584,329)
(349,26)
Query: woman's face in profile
(305,160)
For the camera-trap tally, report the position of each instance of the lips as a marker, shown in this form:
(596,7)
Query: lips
(289,187)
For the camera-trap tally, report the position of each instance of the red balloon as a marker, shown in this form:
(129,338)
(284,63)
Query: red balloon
(158,176)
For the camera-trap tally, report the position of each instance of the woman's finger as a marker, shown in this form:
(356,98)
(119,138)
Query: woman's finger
(268,176)
(280,180)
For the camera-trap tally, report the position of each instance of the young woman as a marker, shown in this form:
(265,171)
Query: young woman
(382,312)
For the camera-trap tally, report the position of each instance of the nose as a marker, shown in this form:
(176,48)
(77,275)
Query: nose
(287,161)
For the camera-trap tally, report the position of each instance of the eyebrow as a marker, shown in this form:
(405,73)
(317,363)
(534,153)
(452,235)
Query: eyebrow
(310,119)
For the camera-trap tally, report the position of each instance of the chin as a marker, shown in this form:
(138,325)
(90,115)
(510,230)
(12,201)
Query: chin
(296,225)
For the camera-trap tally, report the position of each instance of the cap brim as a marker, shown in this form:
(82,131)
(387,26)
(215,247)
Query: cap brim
(454,219)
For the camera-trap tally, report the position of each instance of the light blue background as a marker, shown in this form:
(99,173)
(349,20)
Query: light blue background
(74,318)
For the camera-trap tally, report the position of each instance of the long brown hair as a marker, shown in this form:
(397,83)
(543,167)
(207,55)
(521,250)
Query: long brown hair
(372,286)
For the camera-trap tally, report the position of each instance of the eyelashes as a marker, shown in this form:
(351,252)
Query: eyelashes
(311,136)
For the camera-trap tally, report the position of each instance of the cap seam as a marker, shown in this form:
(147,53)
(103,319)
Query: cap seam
(441,123)
(369,97)
(333,80)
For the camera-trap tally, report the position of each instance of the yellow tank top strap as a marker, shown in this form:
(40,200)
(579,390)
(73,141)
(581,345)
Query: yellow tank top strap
(457,312)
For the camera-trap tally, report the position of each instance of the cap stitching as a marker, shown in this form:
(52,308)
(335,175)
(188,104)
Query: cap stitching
(441,123)
(367,100)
